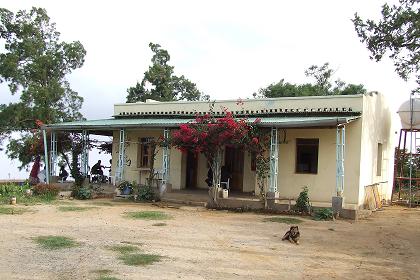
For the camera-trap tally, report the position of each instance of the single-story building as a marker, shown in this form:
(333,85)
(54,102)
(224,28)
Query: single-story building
(334,145)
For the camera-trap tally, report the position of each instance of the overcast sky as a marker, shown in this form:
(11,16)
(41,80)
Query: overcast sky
(230,49)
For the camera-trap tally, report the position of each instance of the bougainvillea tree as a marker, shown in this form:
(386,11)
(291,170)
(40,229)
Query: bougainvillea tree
(208,135)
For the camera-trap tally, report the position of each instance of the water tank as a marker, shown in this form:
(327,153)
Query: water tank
(405,114)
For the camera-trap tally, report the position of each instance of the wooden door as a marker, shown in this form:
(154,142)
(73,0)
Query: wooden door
(234,162)
(192,162)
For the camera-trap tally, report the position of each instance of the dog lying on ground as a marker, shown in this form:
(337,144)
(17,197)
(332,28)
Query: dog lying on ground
(292,235)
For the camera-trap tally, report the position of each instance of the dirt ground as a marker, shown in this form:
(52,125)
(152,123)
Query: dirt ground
(204,244)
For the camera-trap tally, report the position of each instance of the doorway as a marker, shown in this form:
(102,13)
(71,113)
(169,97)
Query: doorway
(191,176)
(234,162)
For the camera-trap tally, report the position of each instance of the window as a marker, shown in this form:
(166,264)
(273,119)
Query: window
(307,155)
(144,153)
(379,160)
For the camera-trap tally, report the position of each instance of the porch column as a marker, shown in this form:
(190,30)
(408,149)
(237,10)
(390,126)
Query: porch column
(337,201)
(85,153)
(47,173)
(119,174)
(274,158)
(53,154)
(340,147)
(166,158)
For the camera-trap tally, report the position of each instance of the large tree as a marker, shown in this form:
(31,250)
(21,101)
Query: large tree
(160,83)
(323,85)
(34,64)
(396,34)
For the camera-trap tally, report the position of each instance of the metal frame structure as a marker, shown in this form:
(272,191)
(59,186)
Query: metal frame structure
(53,154)
(166,158)
(119,174)
(274,160)
(340,156)
(84,157)
(44,134)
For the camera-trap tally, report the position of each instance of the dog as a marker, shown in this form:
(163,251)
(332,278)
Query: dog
(292,235)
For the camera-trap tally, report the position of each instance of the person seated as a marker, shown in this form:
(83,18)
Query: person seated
(97,169)
(63,174)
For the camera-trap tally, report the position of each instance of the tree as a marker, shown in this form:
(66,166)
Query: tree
(323,85)
(160,83)
(34,65)
(208,135)
(396,34)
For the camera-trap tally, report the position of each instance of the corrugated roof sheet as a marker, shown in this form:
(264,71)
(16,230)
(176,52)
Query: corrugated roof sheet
(281,122)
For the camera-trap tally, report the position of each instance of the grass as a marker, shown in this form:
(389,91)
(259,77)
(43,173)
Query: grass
(139,259)
(147,215)
(102,203)
(73,208)
(123,249)
(12,210)
(54,242)
(159,224)
(283,220)
(104,274)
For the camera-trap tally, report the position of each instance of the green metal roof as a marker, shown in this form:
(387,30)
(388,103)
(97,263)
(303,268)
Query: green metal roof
(280,122)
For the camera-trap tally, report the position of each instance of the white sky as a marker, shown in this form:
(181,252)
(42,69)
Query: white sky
(228,48)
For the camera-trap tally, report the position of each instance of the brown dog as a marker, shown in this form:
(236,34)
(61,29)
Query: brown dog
(292,235)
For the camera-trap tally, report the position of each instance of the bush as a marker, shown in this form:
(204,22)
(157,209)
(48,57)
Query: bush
(323,214)
(81,192)
(146,193)
(13,190)
(45,189)
(302,202)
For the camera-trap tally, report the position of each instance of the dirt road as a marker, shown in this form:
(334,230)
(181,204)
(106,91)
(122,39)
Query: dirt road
(203,244)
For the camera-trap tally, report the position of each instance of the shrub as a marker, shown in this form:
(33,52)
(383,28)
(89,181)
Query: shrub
(13,189)
(45,189)
(81,192)
(323,214)
(302,202)
(146,193)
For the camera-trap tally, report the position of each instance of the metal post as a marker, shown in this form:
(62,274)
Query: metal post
(119,175)
(53,162)
(47,174)
(84,157)
(166,158)
(340,149)
(273,160)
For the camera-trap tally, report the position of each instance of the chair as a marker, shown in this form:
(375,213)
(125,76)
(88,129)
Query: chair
(226,184)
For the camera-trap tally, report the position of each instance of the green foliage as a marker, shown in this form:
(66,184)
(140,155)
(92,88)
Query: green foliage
(125,184)
(397,33)
(140,259)
(52,242)
(123,249)
(9,190)
(34,64)
(146,193)
(323,214)
(81,192)
(283,220)
(13,190)
(323,85)
(45,189)
(164,85)
(302,202)
(148,215)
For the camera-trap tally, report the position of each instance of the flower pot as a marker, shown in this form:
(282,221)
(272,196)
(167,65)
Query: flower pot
(13,200)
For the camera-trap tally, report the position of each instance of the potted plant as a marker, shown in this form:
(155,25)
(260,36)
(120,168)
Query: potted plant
(126,188)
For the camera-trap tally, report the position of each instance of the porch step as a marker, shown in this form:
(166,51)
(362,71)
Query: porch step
(185,202)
